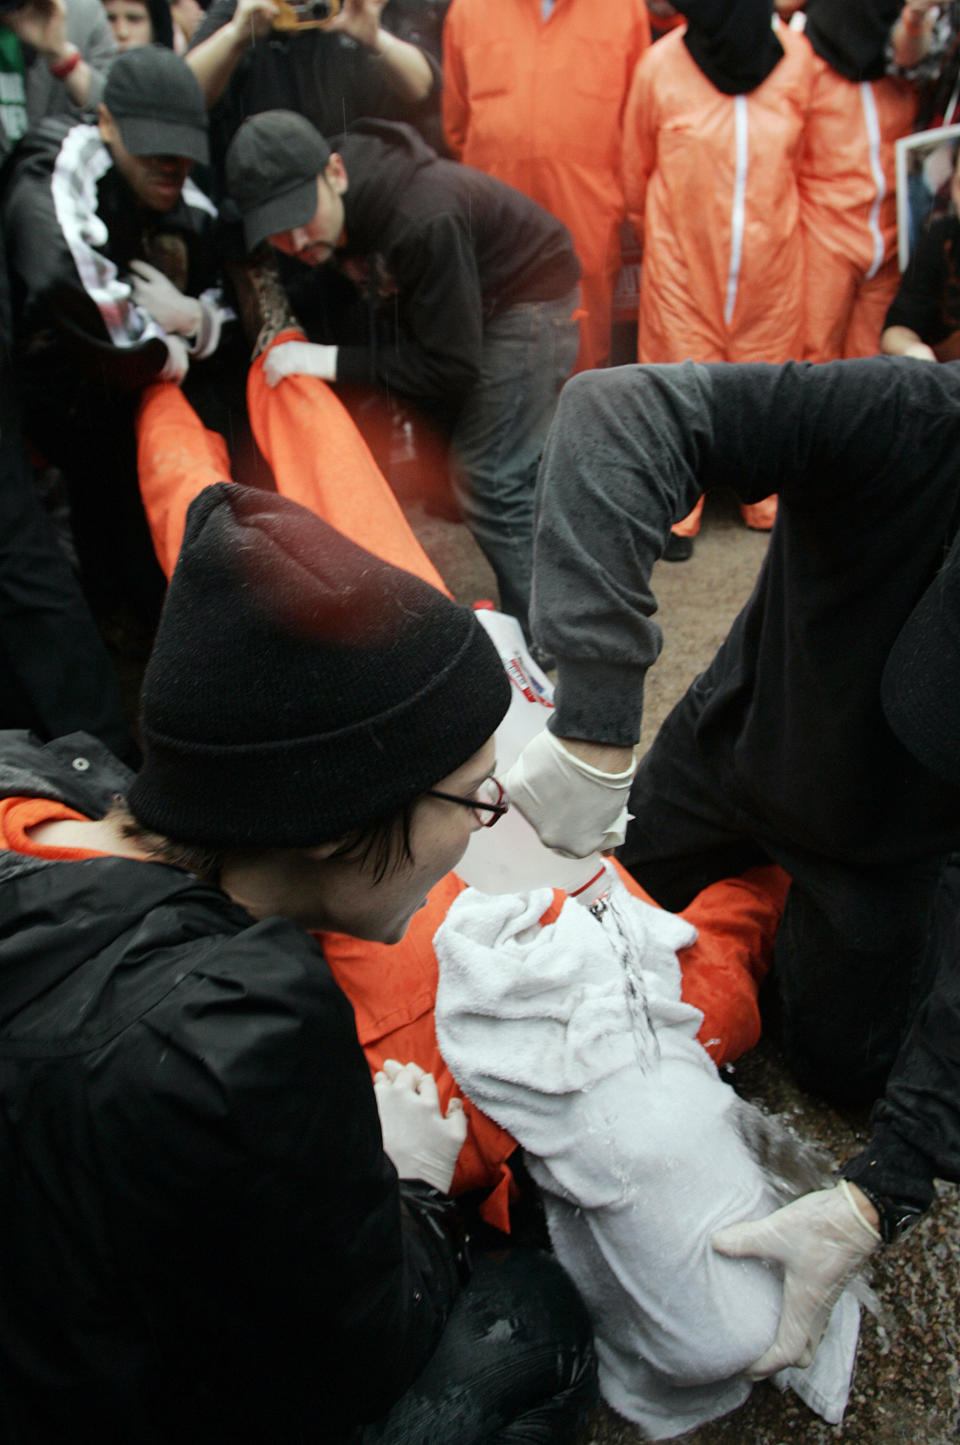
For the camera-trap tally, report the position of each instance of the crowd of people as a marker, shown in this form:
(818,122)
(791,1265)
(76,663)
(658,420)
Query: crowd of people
(244,250)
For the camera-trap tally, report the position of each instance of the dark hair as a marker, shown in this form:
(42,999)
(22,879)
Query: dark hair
(381,847)
(384,844)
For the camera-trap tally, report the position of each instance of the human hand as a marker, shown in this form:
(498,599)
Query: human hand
(178,360)
(920,351)
(299,358)
(187,15)
(251,20)
(821,1240)
(42,24)
(420,1141)
(359,19)
(576,807)
(166,303)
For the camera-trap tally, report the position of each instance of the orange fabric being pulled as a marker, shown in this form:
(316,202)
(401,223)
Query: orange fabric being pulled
(317,456)
(539,104)
(848,210)
(393,988)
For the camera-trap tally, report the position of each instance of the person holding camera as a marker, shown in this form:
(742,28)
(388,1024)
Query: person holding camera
(329,62)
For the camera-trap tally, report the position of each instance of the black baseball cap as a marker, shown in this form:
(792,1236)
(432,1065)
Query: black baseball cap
(272,167)
(157,103)
(921,679)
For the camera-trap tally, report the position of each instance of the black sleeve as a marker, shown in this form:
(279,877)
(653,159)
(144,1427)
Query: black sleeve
(922,302)
(630,451)
(916,1125)
(437,351)
(245,1104)
(217,16)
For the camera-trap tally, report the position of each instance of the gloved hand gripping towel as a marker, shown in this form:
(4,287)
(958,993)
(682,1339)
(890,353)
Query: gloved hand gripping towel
(574,1038)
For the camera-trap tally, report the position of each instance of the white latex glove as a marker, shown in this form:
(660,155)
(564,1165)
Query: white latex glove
(168,306)
(575,808)
(178,360)
(420,1142)
(821,1240)
(300,358)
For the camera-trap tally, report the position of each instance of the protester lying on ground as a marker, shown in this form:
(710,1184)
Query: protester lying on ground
(116,275)
(183,1076)
(471,285)
(55,57)
(783,749)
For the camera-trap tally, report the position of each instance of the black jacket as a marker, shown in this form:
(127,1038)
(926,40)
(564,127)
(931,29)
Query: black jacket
(928,299)
(445,249)
(865,456)
(202,1239)
(72,227)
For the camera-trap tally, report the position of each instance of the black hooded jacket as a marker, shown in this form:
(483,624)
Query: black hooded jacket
(851,35)
(443,249)
(202,1239)
(732,42)
(73,225)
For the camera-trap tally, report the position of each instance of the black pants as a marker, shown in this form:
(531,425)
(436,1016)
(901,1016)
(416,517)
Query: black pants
(55,675)
(515,1364)
(851,947)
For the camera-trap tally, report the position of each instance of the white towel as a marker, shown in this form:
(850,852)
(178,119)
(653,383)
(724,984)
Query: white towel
(574,1038)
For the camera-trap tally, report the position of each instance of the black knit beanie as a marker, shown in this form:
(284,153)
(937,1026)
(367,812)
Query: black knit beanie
(299,687)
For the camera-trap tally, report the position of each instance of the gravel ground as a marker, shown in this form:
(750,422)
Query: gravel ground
(906,1388)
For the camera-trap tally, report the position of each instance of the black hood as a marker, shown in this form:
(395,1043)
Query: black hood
(381,157)
(732,41)
(851,35)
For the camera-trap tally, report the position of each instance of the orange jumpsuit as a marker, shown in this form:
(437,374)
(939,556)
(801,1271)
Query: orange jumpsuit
(848,210)
(320,460)
(538,104)
(711,189)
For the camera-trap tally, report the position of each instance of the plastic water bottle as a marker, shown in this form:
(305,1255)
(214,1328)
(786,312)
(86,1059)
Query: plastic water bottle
(510,858)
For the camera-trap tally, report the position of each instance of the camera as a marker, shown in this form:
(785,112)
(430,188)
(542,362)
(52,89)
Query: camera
(304,14)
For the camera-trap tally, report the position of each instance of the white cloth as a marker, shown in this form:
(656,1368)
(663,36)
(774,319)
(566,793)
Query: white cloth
(574,1038)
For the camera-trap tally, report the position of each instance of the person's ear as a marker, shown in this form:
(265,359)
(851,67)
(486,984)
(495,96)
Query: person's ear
(335,174)
(320,852)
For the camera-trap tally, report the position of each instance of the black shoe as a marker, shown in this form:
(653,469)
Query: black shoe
(678,549)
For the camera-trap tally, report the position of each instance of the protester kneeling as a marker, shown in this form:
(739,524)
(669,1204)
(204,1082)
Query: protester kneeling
(206,1237)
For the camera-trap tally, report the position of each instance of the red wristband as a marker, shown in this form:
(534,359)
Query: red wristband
(66,66)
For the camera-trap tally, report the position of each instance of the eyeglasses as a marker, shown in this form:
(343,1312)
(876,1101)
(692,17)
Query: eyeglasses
(489,799)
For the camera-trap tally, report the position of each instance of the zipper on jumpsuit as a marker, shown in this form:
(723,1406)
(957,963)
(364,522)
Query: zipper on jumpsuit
(869,103)
(742,136)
